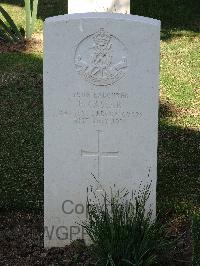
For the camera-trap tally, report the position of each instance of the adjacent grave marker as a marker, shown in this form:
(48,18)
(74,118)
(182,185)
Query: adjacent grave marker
(114,6)
(101,75)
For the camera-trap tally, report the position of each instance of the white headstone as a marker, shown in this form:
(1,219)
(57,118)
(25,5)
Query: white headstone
(113,6)
(101,76)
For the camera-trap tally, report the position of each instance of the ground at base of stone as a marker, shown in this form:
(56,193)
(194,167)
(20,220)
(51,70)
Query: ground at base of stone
(35,44)
(21,244)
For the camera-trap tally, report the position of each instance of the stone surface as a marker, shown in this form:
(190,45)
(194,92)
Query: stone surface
(101,75)
(113,6)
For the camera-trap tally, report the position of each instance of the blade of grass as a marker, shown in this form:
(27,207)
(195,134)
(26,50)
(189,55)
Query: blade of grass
(8,30)
(5,37)
(11,23)
(28,18)
(34,15)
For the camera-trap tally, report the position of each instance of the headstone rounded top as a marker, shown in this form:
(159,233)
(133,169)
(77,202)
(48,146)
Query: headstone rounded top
(103,15)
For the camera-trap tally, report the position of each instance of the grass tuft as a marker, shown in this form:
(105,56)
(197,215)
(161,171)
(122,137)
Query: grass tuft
(121,229)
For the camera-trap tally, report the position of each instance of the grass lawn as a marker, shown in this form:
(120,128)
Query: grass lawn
(21,114)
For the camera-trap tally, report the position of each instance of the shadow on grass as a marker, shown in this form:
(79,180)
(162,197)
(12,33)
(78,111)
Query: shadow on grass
(178,166)
(175,15)
(21,154)
(13,2)
(196,239)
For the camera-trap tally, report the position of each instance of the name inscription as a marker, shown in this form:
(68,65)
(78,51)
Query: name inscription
(102,108)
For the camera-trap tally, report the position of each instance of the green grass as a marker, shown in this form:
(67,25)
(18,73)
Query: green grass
(46,8)
(174,14)
(121,231)
(179,138)
(17,13)
(21,155)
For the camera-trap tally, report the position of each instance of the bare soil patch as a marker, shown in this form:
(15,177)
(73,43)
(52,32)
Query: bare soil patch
(34,45)
(21,244)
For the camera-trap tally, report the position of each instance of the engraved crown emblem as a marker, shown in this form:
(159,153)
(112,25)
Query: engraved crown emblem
(101,37)
(101,58)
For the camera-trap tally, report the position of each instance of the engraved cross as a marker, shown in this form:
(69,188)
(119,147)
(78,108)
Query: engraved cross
(99,154)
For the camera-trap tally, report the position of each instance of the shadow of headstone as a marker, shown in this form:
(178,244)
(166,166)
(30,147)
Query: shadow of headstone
(178,164)
(174,14)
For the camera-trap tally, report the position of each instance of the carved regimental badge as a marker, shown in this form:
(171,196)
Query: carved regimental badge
(101,58)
